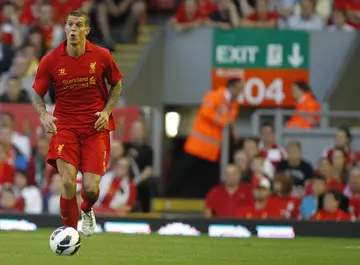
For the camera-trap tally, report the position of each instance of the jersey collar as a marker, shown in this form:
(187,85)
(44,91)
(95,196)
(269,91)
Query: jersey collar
(88,47)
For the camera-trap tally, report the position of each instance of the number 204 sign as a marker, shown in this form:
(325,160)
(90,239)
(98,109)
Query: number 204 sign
(263,87)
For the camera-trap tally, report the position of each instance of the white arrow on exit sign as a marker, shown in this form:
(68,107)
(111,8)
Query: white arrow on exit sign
(296,59)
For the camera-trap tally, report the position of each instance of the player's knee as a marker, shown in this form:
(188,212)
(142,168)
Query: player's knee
(69,185)
(138,8)
(91,189)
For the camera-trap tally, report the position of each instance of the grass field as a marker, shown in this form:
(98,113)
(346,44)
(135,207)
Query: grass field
(110,249)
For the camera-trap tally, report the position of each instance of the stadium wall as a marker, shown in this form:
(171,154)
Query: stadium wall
(194,227)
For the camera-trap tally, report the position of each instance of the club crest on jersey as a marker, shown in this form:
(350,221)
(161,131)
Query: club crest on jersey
(92,67)
(62,71)
(92,80)
(59,149)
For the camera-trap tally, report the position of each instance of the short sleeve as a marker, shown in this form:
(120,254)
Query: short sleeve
(43,78)
(112,73)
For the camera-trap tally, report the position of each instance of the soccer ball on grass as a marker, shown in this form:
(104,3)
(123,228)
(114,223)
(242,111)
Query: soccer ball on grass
(65,241)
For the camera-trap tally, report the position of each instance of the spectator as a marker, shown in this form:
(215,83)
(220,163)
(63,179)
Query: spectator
(19,68)
(110,12)
(325,169)
(352,191)
(310,203)
(331,211)
(262,208)
(13,154)
(340,172)
(29,52)
(10,25)
(52,199)
(38,167)
(242,162)
(52,32)
(36,39)
(308,19)
(268,147)
(200,165)
(262,17)
(285,9)
(20,141)
(251,149)
(189,17)
(28,11)
(299,169)
(339,22)
(305,102)
(352,8)
(117,191)
(6,54)
(288,204)
(141,158)
(9,202)
(7,171)
(116,152)
(223,200)
(30,194)
(14,93)
(225,16)
(63,7)
(256,171)
(342,140)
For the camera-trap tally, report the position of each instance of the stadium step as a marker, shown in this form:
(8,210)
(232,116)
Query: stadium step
(128,55)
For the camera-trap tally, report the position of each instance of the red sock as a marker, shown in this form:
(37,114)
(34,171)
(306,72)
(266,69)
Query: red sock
(69,212)
(88,202)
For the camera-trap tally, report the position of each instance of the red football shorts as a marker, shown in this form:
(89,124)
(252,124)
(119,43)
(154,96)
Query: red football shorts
(89,153)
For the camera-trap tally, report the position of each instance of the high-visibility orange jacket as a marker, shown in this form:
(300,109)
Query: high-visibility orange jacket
(307,104)
(216,111)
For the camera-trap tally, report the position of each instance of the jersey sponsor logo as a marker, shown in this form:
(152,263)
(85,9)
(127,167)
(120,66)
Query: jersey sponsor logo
(60,148)
(92,80)
(92,67)
(62,71)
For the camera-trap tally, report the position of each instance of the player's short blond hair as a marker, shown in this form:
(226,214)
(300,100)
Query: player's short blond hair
(80,13)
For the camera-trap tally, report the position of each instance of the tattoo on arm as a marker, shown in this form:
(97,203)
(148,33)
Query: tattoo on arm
(114,96)
(38,103)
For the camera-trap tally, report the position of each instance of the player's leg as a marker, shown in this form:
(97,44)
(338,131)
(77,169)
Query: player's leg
(63,154)
(94,159)
(68,204)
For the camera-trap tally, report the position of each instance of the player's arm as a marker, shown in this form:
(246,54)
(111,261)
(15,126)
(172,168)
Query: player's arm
(41,85)
(113,76)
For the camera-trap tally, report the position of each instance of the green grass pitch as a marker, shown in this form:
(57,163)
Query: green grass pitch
(110,249)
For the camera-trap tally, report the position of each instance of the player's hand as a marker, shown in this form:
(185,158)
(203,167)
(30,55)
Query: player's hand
(48,121)
(102,121)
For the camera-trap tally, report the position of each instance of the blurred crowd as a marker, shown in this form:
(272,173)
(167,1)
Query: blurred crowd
(333,15)
(267,180)
(28,184)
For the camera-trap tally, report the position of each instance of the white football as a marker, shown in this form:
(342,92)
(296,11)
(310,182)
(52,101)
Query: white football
(65,241)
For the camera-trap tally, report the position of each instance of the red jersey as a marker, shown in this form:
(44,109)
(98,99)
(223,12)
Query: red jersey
(332,184)
(223,204)
(351,156)
(182,17)
(323,215)
(48,35)
(275,154)
(270,211)
(79,84)
(289,206)
(7,173)
(256,18)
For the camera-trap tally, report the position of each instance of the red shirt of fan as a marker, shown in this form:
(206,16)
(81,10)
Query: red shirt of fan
(351,156)
(354,203)
(48,35)
(79,85)
(270,211)
(332,184)
(256,18)
(182,17)
(27,13)
(63,7)
(289,206)
(323,215)
(223,204)
(7,173)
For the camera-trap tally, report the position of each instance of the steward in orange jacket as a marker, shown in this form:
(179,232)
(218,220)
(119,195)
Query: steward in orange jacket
(219,108)
(305,103)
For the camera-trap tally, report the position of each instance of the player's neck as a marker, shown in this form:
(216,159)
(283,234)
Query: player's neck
(76,50)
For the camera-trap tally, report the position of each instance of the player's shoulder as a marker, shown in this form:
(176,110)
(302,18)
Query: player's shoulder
(100,51)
